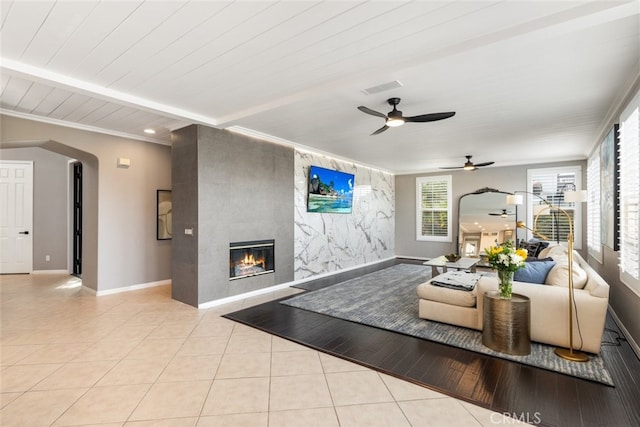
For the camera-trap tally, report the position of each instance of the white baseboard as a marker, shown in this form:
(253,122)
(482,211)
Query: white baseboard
(333,273)
(242,296)
(132,287)
(274,288)
(239,297)
(625,332)
(414,257)
(50,272)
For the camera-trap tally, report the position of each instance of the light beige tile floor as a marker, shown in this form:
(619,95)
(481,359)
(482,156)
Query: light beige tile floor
(69,358)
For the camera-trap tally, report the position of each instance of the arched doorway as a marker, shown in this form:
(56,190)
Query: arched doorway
(88,228)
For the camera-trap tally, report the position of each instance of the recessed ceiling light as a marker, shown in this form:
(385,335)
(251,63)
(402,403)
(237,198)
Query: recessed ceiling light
(151,131)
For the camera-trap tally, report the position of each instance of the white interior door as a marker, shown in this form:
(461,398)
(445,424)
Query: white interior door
(16,217)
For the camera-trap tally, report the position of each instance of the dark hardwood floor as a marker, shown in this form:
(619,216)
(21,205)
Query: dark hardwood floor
(533,395)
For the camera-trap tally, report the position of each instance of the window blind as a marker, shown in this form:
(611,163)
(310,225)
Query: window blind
(433,214)
(550,184)
(593,206)
(630,194)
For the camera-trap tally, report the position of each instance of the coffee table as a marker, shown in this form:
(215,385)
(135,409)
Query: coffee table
(461,264)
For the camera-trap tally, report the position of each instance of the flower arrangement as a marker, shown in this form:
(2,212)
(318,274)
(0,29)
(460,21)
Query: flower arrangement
(505,259)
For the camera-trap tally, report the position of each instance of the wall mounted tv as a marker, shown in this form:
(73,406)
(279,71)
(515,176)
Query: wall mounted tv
(330,191)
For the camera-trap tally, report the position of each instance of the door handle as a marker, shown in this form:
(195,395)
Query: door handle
(23,232)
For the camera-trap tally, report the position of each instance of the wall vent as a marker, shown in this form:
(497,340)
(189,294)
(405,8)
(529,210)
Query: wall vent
(381,88)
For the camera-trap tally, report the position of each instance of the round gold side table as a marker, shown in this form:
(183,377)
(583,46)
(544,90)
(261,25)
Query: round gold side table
(506,323)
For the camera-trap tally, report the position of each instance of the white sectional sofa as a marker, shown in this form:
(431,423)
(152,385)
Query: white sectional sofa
(549,304)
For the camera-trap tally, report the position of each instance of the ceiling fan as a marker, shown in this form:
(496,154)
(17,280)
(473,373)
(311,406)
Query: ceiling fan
(469,166)
(395,117)
(502,214)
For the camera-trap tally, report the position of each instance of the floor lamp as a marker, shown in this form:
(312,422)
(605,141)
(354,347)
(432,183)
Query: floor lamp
(573,197)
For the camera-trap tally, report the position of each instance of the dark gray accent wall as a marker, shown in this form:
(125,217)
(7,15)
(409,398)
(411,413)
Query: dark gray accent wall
(184,185)
(232,188)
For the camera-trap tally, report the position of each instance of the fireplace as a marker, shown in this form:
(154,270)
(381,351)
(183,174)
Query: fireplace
(248,259)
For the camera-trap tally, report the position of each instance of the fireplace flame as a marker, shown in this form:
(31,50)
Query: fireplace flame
(250,260)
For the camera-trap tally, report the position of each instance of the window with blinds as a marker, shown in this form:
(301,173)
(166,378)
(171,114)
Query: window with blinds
(593,206)
(630,194)
(552,223)
(433,208)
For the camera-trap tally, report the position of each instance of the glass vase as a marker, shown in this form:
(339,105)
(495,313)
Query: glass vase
(505,281)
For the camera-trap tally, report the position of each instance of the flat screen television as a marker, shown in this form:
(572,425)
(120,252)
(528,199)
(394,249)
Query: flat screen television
(330,191)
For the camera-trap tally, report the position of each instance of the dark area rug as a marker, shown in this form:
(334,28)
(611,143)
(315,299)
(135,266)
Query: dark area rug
(387,299)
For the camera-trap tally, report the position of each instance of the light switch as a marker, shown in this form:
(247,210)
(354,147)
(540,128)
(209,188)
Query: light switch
(188,231)
(124,163)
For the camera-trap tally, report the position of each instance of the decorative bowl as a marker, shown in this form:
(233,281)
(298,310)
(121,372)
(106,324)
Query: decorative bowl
(452,257)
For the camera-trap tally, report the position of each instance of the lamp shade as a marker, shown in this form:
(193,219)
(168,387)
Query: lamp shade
(515,199)
(575,196)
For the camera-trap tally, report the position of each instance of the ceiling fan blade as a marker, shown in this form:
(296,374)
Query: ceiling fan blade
(429,117)
(479,165)
(382,129)
(372,112)
(453,167)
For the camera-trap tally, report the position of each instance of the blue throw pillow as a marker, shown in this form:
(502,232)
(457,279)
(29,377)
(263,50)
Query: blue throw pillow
(534,272)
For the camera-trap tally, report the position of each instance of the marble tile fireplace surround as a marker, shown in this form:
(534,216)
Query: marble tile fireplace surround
(247,259)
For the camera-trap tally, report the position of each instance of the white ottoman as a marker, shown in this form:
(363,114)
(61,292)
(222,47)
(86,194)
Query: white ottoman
(447,305)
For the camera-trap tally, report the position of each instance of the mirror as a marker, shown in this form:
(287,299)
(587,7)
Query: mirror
(483,218)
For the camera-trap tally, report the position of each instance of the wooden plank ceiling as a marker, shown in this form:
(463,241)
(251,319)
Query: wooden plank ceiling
(535,77)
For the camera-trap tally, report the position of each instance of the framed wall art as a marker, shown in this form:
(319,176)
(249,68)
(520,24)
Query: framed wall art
(164,206)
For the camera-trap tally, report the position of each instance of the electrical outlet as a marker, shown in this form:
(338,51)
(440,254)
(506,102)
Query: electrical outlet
(47,258)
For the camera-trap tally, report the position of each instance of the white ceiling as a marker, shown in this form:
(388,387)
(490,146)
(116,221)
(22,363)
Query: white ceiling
(530,81)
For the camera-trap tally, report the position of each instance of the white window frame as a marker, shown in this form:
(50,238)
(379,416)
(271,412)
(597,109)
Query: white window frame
(534,201)
(594,237)
(628,194)
(420,181)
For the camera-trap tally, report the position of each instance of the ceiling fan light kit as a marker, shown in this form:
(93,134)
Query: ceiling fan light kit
(469,165)
(395,118)
(502,214)
(392,123)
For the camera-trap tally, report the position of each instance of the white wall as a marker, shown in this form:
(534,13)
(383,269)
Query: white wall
(624,300)
(331,242)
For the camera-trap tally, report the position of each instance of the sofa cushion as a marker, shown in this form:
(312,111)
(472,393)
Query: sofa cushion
(446,295)
(556,252)
(533,246)
(559,275)
(534,272)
